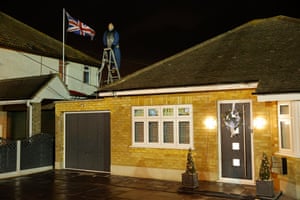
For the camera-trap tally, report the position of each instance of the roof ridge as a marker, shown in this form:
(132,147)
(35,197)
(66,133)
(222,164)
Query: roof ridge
(71,53)
(277,17)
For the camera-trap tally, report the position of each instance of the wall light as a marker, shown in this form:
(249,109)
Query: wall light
(259,122)
(210,123)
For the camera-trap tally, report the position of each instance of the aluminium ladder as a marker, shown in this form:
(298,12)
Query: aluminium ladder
(112,68)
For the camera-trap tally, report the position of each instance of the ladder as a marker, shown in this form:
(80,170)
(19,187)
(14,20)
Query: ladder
(112,68)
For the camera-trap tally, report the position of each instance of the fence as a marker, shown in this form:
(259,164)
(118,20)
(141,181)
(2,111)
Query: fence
(17,157)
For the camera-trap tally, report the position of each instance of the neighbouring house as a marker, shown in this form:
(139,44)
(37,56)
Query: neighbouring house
(27,123)
(229,99)
(26,105)
(25,54)
(25,51)
(36,70)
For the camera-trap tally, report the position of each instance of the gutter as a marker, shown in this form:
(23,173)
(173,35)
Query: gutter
(29,106)
(180,89)
(12,102)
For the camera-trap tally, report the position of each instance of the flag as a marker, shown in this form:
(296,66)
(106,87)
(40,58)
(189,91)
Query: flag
(77,27)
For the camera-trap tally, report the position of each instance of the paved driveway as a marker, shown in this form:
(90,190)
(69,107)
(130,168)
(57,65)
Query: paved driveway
(78,185)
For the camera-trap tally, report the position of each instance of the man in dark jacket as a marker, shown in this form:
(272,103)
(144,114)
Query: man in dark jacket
(111,40)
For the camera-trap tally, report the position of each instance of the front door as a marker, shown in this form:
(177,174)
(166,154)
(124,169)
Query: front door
(235,139)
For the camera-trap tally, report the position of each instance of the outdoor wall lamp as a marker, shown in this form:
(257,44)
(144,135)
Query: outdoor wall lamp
(210,123)
(259,122)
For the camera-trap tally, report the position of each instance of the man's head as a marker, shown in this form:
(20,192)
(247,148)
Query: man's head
(110,26)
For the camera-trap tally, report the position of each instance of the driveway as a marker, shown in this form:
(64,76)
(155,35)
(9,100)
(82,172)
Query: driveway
(79,185)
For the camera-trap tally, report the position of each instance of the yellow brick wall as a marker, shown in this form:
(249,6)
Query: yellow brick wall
(205,141)
(289,183)
(3,124)
(36,118)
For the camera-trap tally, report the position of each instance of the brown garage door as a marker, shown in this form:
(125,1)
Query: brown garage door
(88,141)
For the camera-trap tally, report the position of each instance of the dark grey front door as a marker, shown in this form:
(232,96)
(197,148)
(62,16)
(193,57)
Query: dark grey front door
(88,141)
(235,137)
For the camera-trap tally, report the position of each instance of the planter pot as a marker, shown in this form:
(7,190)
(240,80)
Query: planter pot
(190,180)
(265,188)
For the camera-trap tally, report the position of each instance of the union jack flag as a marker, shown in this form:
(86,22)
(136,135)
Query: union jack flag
(77,27)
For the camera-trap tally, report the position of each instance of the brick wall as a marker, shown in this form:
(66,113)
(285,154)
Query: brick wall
(206,145)
(36,118)
(3,124)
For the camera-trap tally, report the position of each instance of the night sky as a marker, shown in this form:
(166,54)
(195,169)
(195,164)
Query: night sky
(149,30)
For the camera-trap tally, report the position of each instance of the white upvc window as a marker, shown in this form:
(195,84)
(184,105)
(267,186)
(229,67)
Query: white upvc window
(284,125)
(288,128)
(168,126)
(86,74)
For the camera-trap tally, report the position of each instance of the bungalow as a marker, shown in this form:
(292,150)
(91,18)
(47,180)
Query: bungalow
(230,99)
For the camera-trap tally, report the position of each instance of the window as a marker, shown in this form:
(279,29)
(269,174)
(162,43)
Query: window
(284,120)
(86,75)
(289,128)
(162,126)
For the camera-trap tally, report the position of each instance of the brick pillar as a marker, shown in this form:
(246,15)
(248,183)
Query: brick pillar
(3,124)
(36,118)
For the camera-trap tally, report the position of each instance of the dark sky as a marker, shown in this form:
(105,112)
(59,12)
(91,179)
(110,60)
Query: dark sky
(149,30)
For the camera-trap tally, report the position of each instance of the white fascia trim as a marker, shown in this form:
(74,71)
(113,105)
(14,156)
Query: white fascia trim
(13,102)
(180,89)
(278,97)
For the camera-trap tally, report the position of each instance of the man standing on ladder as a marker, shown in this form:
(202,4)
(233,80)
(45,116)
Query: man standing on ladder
(111,40)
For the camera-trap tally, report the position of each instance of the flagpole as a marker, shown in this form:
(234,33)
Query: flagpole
(63,50)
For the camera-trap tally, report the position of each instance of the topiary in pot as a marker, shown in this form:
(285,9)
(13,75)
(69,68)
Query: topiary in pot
(264,185)
(190,166)
(265,168)
(190,176)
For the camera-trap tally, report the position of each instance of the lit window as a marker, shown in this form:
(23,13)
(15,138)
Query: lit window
(162,126)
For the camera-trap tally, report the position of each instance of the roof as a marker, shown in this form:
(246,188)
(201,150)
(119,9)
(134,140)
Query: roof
(26,88)
(18,36)
(266,51)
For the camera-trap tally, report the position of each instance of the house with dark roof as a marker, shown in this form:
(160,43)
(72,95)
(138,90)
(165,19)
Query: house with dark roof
(229,99)
(27,105)
(37,70)
(25,51)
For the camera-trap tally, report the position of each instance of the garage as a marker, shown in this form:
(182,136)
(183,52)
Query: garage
(87,137)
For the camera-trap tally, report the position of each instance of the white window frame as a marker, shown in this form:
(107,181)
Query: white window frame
(160,118)
(86,74)
(294,119)
(285,118)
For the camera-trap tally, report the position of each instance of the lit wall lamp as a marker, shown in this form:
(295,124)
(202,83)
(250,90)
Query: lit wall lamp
(210,123)
(259,122)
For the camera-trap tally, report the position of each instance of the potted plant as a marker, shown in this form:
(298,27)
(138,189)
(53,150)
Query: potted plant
(264,185)
(190,176)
